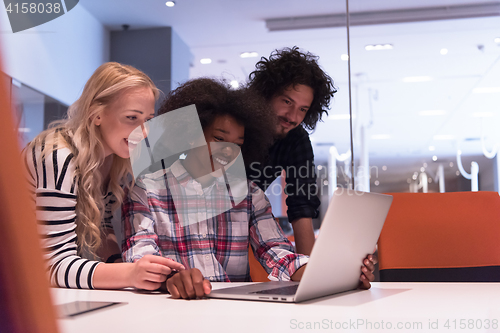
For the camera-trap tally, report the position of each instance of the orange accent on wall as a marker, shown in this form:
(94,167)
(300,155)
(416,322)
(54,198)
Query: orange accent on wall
(441,230)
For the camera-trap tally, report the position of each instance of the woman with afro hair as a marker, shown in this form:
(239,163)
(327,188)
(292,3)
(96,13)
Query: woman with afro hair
(195,212)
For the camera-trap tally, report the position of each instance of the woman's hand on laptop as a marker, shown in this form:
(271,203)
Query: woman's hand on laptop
(188,284)
(367,271)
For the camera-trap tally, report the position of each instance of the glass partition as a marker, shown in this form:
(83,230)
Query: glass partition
(425,102)
(33,110)
(328,43)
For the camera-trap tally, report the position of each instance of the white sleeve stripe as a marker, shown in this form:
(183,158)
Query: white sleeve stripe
(79,274)
(67,273)
(57,234)
(60,245)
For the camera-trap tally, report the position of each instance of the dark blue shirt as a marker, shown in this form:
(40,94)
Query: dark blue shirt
(294,154)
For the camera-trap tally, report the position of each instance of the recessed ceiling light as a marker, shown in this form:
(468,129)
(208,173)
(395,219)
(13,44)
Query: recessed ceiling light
(384,167)
(206,61)
(417,79)
(344,57)
(380,136)
(432,113)
(234,84)
(444,51)
(486,90)
(425,165)
(377,183)
(432,148)
(451,164)
(497,40)
(434,158)
(344,116)
(170,3)
(443,137)
(483,114)
(378,47)
(249,55)
(457,173)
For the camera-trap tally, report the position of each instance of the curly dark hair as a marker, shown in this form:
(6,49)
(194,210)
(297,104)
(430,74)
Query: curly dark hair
(289,67)
(214,98)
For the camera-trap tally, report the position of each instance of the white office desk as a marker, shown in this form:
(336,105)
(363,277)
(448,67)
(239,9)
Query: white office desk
(396,307)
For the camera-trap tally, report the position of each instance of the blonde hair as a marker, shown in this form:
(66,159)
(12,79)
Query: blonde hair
(79,133)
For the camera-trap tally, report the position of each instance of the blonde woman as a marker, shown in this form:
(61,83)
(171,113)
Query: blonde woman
(79,170)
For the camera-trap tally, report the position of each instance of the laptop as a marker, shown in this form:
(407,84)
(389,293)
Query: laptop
(349,232)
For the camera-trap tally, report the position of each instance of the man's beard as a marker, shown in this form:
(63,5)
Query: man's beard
(280,133)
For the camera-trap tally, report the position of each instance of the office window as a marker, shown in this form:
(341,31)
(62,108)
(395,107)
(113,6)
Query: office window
(33,110)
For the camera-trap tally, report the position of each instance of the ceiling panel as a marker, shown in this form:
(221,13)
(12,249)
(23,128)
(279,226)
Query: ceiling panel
(222,29)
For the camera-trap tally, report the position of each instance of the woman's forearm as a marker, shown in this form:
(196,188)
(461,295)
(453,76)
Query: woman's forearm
(113,276)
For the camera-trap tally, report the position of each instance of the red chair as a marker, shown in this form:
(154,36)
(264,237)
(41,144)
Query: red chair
(257,272)
(441,237)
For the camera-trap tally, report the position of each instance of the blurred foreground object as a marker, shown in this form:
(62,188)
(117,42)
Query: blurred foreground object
(25,303)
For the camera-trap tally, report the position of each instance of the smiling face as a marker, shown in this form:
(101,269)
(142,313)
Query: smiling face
(224,138)
(130,109)
(291,107)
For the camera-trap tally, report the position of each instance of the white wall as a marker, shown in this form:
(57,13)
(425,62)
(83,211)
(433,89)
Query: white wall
(32,120)
(181,59)
(57,57)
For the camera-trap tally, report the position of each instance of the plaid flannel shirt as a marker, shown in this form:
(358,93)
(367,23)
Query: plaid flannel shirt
(218,245)
(293,154)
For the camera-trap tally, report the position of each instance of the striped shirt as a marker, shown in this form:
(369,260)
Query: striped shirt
(53,184)
(217,245)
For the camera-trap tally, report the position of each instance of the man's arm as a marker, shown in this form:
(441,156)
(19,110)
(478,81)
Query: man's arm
(367,271)
(304,235)
(301,188)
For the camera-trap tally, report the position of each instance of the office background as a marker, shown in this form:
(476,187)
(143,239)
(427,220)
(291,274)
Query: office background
(424,75)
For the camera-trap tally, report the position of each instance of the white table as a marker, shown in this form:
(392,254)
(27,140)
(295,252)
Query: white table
(396,307)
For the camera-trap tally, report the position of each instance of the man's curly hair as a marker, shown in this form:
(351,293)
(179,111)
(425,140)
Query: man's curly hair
(215,98)
(289,67)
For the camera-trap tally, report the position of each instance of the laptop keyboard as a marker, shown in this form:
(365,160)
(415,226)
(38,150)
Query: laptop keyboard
(288,290)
